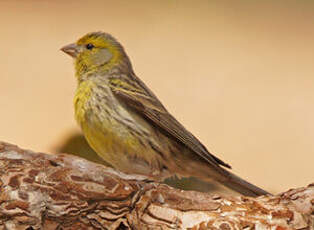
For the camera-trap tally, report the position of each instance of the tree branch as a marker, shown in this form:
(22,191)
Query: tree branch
(42,191)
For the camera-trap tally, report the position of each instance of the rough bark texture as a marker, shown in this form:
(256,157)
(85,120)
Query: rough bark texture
(42,191)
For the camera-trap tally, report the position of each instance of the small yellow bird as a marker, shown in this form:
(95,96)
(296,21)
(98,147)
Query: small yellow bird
(126,125)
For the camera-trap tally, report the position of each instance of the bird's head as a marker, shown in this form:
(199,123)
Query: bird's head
(96,52)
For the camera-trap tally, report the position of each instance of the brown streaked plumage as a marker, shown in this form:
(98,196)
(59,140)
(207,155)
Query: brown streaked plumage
(128,126)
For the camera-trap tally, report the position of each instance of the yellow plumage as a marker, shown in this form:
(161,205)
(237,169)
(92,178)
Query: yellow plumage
(105,134)
(125,123)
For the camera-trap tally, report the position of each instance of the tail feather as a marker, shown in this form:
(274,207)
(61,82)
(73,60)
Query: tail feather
(245,188)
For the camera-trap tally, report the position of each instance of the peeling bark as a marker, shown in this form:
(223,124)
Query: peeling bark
(42,191)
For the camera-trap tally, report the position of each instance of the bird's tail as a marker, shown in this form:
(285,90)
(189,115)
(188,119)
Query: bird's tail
(238,184)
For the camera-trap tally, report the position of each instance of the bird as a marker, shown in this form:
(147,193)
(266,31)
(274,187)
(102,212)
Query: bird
(126,124)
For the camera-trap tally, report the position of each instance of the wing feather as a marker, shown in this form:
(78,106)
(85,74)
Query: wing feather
(142,100)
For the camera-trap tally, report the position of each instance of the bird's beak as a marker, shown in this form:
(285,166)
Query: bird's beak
(71,49)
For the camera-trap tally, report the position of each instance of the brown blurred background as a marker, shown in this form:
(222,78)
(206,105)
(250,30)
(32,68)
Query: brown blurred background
(237,74)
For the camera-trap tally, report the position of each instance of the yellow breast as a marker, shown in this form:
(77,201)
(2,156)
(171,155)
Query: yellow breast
(82,96)
(105,130)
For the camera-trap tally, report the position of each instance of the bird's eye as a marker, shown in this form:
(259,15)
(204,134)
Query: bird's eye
(89,46)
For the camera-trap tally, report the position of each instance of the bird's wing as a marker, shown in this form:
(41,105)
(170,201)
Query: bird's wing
(138,97)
